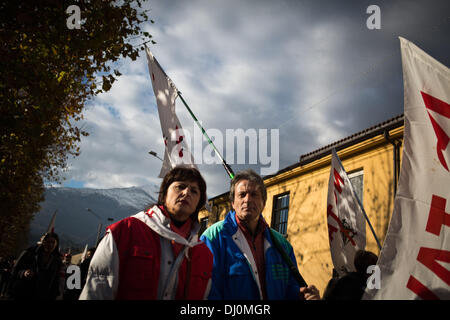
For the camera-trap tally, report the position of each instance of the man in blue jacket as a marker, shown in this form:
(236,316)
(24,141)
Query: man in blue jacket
(247,265)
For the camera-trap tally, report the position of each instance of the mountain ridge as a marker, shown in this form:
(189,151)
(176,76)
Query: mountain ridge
(78,226)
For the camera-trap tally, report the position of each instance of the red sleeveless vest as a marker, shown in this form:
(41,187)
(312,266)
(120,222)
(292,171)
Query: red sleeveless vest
(140,261)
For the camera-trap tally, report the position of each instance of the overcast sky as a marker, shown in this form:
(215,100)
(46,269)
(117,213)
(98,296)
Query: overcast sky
(310,69)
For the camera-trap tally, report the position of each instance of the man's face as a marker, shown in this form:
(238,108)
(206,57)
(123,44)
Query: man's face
(182,199)
(248,201)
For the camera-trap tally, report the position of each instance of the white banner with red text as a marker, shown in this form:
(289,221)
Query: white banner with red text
(415,258)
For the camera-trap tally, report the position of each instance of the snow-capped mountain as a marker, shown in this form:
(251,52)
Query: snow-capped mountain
(78,226)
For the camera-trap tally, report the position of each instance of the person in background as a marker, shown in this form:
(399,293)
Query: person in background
(352,285)
(84,265)
(66,260)
(36,272)
(5,273)
(156,253)
(68,292)
(331,284)
(247,265)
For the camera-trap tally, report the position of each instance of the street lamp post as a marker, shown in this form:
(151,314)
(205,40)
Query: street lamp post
(153,153)
(100,225)
(98,234)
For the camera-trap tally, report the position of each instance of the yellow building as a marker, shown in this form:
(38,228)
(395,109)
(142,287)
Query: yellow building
(297,195)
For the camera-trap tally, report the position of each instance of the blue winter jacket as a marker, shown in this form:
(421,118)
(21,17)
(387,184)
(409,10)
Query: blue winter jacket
(234,275)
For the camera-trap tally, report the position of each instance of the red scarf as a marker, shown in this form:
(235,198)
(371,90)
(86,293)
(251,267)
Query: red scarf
(256,244)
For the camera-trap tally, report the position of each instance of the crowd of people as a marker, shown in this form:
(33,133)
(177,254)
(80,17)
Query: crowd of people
(158,254)
(40,272)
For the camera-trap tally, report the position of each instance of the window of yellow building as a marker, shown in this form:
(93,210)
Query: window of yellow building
(280,213)
(357,181)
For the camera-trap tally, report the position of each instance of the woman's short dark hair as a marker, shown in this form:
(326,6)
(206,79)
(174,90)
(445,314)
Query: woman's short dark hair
(183,173)
(50,234)
(251,176)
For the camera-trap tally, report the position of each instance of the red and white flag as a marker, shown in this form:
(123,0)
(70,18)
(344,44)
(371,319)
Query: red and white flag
(415,259)
(176,150)
(346,221)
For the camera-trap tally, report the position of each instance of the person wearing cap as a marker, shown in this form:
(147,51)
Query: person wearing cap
(247,264)
(156,253)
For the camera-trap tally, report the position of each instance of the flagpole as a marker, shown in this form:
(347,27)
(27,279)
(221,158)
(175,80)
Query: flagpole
(368,221)
(225,164)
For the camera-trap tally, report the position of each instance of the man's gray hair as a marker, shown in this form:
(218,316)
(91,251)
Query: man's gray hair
(251,176)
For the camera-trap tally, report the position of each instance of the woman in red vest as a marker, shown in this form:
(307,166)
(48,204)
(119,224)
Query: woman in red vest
(156,253)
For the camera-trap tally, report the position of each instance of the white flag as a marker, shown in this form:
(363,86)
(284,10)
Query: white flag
(176,150)
(51,225)
(83,256)
(414,261)
(346,221)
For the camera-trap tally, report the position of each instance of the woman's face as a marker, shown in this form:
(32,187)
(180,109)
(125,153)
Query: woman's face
(182,199)
(49,244)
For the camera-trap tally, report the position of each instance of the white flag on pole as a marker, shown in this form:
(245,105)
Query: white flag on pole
(176,150)
(346,221)
(83,256)
(51,225)
(414,261)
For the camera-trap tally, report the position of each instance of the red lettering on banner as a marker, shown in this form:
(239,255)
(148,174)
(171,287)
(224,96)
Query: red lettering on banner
(338,181)
(344,230)
(179,140)
(333,215)
(437,216)
(429,256)
(443,109)
(331,229)
(418,288)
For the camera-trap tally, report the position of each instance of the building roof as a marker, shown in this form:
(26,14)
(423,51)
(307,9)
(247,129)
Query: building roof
(353,139)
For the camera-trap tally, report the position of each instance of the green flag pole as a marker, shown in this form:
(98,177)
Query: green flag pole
(225,164)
